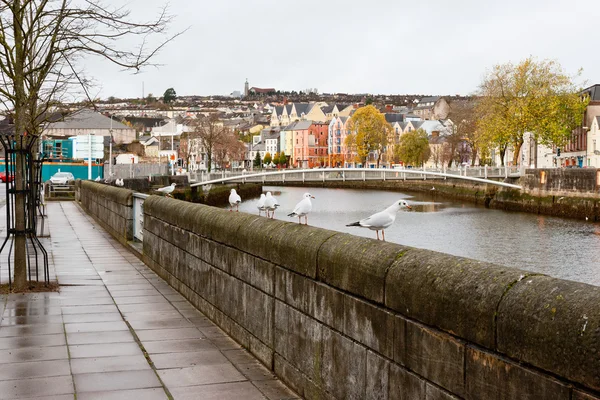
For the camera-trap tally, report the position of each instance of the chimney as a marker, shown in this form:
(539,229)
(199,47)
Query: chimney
(389,107)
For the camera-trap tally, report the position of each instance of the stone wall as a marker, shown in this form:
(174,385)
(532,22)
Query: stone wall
(562,181)
(343,317)
(112,207)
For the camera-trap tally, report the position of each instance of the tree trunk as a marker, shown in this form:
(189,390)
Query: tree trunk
(516,153)
(20,255)
(209,160)
(502,154)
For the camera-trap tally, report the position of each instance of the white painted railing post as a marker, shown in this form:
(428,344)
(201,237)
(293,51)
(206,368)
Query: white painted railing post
(505,172)
(383,173)
(303,176)
(485,172)
(323,176)
(283,178)
(343,176)
(364,176)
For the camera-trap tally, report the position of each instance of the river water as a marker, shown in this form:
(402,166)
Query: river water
(563,248)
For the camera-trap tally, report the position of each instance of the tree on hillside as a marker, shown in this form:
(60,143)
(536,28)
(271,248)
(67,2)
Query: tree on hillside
(413,148)
(210,133)
(533,96)
(43,45)
(276,159)
(169,96)
(370,133)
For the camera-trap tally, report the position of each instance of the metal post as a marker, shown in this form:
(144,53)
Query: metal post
(110,150)
(485,172)
(90,156)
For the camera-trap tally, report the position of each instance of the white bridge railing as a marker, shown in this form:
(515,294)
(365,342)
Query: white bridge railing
(479,174)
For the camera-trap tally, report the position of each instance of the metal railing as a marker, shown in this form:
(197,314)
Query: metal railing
(475,174)
(138,215)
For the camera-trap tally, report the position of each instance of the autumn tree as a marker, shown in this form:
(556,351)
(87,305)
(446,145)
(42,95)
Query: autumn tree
(276,159)
(282,159)
(267,160)
(533,96)
(370,133)
(43,46)
(413,148)
(461,138)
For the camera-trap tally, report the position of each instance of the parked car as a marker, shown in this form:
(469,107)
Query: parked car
(62,178)
(3,177)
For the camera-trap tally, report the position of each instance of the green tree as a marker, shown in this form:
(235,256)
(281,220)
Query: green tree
(257,160)
(276,159)
(282,159)
(370,133)
(533,96)
(413,148)
(169,96)
(267,160)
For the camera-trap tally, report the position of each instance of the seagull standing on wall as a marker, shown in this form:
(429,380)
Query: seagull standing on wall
(382,220)
(270,205)
(168,189)
(120,182)
(303,208)
(234,200)
(261,204)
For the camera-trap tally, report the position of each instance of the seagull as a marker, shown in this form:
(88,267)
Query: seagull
(303,208)
(98,179)
(120,182)
(234,199)
(382,220)
(167,189)
(261,203)
(432,188)
(270,205)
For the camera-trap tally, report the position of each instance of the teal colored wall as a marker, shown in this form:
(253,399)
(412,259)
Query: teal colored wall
(79,171)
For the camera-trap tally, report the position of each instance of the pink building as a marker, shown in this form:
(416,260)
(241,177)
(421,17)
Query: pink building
(339,154)
(302,141)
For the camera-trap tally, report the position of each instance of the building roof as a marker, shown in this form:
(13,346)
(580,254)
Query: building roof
(300,125)
(430,99)
(303,108)
(598,120)
(328,109)
(593,91)
(262,90)
(87,119)
(391,118)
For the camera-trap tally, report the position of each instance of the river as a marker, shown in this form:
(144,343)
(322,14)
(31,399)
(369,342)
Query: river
(563,248)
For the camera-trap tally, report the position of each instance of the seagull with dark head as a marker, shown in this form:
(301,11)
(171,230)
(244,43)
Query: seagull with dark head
(303,208)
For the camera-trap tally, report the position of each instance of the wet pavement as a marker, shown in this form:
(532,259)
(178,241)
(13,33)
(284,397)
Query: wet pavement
(116,331)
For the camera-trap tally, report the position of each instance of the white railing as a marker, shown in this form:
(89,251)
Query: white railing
(475,174)
(138,215)
(295,175)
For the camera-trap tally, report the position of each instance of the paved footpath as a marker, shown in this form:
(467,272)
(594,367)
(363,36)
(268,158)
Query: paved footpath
(116,331)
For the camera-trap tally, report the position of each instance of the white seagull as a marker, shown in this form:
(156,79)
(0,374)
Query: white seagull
(382,220)
(98,179)
(168,189)
(120,182)
(234,200)
(261,203)
(270,205)
(303,208)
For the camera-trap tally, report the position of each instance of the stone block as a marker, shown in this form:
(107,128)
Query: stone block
(578,395)
(378,371)
(405,385)
(299,382)
(357,265)
(451,293)
(369,325)
(435,356)
(435,393)
(399,351)
(491,377)
(553,324)
(263,276)
(344,362)
(237,263)
(258,318)
(328,306)
(299,339)
(263,352)
(290,245)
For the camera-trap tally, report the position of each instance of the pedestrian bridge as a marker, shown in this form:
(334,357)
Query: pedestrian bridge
(488,175)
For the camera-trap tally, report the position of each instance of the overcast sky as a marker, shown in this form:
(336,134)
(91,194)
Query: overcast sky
(378,46)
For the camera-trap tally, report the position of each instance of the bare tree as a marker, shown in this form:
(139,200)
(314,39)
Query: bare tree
(42,46)
(210,133)
(228,148)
